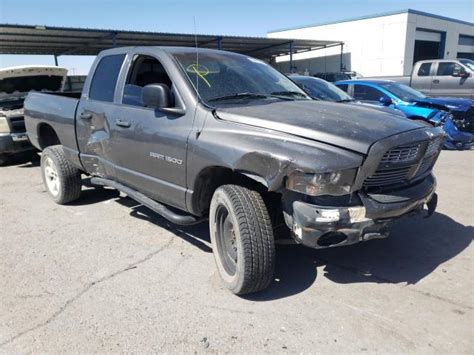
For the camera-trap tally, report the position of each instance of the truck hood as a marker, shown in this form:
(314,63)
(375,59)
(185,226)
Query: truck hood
(446,103)
(348,126)
(18,81)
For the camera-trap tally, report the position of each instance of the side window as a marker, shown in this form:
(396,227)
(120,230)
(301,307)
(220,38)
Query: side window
(144,70)
(425,69)
(105,78)
(367,93)
(447,68)
(343,87)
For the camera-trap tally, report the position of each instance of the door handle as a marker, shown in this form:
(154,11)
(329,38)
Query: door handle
(122,123)
(86,115)
(436,81)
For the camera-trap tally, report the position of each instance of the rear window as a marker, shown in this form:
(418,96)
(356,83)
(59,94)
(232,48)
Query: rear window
(425,69)
(105,78)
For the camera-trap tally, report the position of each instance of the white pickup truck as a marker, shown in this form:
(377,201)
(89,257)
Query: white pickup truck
(15,83)
(440,77)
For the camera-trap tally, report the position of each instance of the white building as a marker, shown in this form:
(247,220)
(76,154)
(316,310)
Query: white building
(383,44)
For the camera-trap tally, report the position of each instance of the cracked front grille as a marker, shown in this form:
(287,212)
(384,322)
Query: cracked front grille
(403,163)
(401,154)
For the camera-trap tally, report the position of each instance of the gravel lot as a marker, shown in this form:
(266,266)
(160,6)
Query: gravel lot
(105,274)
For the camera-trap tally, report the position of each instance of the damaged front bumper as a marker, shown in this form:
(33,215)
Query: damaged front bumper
(322,226)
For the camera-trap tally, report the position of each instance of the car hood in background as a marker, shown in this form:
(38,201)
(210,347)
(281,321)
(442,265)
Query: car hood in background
(450,103)
(353,127)
(379,108)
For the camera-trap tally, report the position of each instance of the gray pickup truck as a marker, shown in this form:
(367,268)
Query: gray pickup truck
(440,77)
(204,134)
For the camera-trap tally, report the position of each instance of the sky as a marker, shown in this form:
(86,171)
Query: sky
(225,17)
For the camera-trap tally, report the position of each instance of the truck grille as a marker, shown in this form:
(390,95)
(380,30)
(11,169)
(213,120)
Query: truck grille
(387,177)
(398,165)
(401,154)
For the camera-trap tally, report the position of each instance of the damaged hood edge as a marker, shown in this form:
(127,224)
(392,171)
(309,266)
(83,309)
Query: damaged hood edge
(321,137)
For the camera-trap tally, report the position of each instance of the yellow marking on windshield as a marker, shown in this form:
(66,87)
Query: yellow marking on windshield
(200,70)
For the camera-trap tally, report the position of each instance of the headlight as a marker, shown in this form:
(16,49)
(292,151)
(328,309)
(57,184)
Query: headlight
(4,128)
(334,183)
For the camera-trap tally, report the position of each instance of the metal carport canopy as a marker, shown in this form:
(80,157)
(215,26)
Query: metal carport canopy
(27,39)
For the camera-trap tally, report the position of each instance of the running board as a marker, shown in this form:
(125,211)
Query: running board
(157,207)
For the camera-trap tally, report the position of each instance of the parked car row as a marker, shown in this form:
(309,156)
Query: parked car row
(199,134)
(455,115)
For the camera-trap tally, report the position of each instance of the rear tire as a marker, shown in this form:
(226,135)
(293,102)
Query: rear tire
(61,179)
(242,239)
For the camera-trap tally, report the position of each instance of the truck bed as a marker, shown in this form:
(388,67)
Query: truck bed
(56,110)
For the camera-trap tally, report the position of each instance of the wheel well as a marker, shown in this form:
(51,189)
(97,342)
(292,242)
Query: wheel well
(211,178)
(47,136)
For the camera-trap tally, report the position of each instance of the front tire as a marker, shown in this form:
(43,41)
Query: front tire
(61,179)
(242,239)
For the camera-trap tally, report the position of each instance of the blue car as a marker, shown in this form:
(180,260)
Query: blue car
(454,114)
(320,89)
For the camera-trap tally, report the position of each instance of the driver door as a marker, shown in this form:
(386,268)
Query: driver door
(149,144)
(445,84)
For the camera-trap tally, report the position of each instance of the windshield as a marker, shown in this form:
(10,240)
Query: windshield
(322,90)
(468,63)
(403,92)
(221,77)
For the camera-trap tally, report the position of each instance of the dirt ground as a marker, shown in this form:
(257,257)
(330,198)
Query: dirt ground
(105,274)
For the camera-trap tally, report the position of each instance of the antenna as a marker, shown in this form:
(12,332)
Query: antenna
(197,58)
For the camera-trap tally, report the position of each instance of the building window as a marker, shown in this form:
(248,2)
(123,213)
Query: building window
(465,55)
(425,69)
(466,40)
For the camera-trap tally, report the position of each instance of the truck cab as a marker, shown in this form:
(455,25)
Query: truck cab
(444,77)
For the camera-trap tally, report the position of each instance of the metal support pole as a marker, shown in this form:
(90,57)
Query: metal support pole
(342,51)
(291,57)
(114,39)
(219,43)
(55,60)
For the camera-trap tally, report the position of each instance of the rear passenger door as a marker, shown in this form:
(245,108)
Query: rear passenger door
(423,78)
(445,84)
(95,116)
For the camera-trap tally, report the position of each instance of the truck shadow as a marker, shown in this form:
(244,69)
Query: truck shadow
(415,248)
(197,235)
(24,160)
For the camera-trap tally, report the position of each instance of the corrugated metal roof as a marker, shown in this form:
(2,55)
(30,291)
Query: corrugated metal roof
(28,39)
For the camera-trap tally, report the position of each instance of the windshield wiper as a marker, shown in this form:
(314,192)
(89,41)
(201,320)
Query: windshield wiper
(345,100)
(288,93)
(241,95)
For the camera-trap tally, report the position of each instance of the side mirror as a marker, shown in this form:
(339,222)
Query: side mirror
(156,96)
(460,72)
(385,100)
